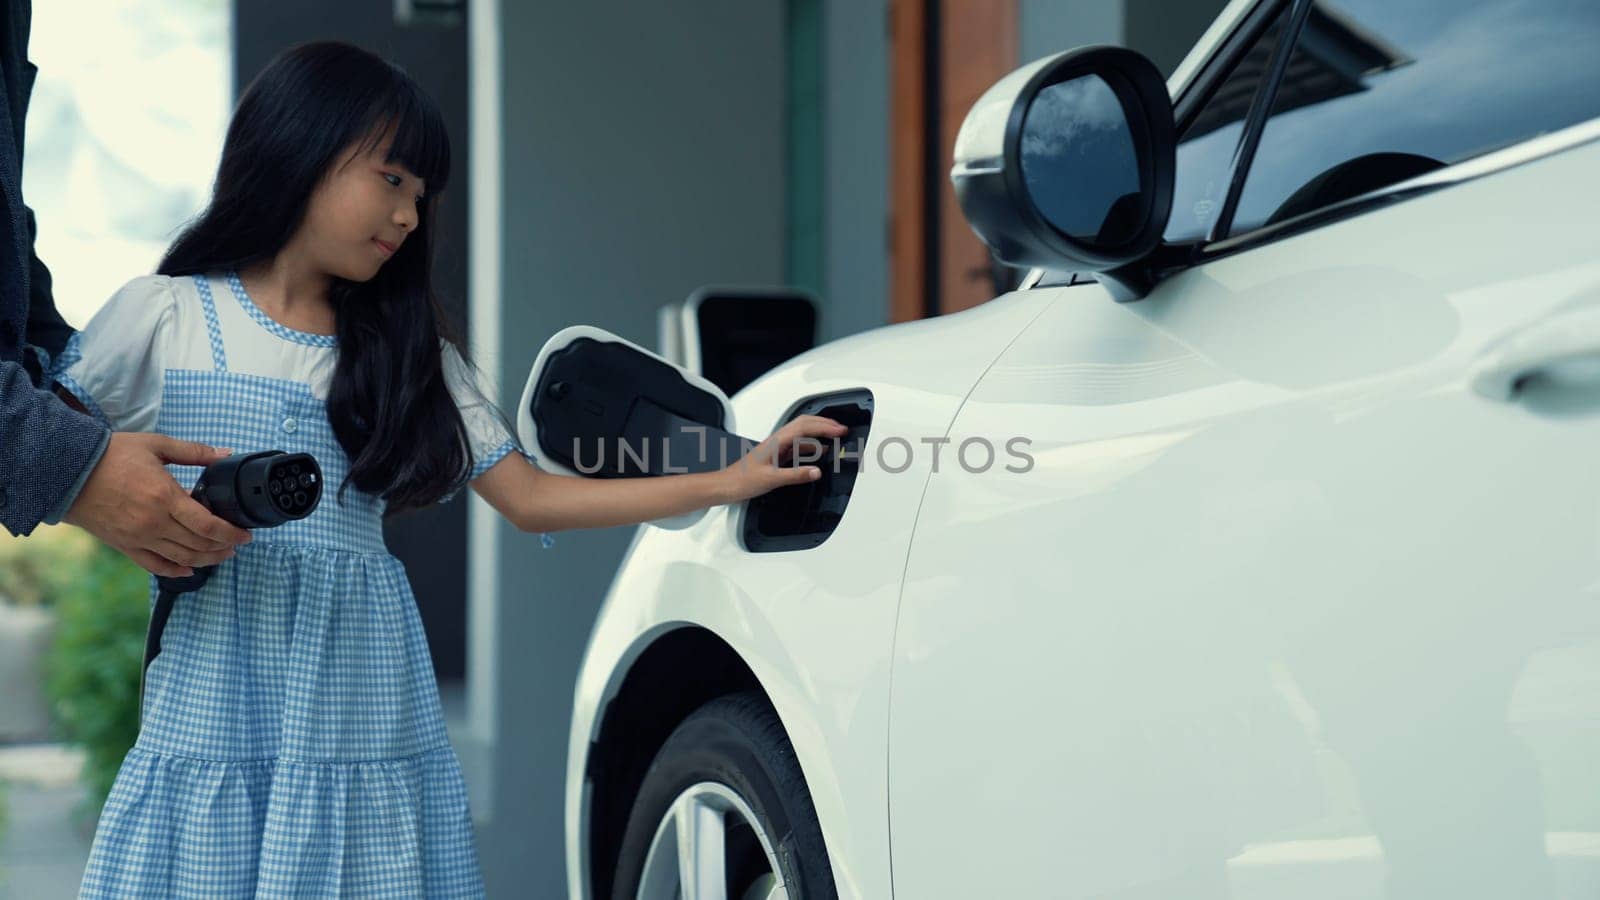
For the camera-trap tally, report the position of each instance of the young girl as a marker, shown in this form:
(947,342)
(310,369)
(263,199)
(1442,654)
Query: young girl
(292,742)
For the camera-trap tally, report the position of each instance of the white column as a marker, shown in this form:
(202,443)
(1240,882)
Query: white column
(485,235)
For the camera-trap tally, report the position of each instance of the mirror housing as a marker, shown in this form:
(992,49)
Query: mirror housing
(1059,116)
(599,406)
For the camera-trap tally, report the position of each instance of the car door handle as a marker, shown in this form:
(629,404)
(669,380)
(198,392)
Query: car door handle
(1563,351)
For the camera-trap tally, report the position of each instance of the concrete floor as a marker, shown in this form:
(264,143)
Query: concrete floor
(42,850)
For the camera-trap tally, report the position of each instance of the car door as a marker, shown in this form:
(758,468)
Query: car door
(1299,593)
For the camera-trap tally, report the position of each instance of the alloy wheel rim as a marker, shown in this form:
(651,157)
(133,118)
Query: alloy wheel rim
(709,845)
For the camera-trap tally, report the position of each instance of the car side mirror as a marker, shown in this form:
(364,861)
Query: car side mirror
(599,406)
(731,335)
(1068,162)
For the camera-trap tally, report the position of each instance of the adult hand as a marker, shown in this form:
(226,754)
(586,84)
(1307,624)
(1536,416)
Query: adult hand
(762,469)
(136,506)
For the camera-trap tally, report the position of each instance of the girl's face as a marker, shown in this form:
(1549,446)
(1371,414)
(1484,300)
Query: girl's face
(361,213)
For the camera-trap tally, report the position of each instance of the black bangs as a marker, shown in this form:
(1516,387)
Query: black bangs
(421,143)
(398,106)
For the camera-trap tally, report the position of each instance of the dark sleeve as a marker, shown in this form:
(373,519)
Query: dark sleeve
(46,329)
(44,449)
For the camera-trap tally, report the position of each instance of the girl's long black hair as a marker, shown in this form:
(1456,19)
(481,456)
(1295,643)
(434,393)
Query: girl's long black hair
(389,404)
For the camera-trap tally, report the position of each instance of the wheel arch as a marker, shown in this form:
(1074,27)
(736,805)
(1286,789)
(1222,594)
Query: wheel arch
(679,671)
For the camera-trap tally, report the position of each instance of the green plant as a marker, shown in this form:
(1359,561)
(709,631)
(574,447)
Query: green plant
(92,670)
(33,570)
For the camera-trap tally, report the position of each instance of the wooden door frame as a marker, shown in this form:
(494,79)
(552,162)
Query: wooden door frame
(943,55)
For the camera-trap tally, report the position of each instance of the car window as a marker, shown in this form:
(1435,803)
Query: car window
(1379,91)
(1209,138)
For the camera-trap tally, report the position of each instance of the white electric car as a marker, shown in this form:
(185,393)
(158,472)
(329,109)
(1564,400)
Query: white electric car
(1250,550)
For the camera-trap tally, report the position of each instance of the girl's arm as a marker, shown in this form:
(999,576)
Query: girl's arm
(538,501)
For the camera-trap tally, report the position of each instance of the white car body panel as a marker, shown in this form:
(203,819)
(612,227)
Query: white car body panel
(1273,528)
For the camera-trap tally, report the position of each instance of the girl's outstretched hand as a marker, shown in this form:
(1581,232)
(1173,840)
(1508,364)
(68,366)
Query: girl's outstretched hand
(763,469)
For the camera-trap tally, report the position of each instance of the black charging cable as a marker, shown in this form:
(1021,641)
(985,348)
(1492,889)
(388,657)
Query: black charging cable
(259,490)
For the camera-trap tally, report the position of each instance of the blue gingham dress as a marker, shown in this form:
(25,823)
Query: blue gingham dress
(292,741)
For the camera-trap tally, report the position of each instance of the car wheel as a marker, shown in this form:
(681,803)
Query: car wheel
(724,814)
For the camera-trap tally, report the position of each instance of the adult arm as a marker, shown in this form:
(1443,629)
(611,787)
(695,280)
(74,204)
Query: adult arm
(45,450)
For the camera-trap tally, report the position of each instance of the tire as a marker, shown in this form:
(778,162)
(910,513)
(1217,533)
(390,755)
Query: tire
(733,750)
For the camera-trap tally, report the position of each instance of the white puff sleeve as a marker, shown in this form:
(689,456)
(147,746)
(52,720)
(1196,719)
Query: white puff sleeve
(487,435)
(114,365)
